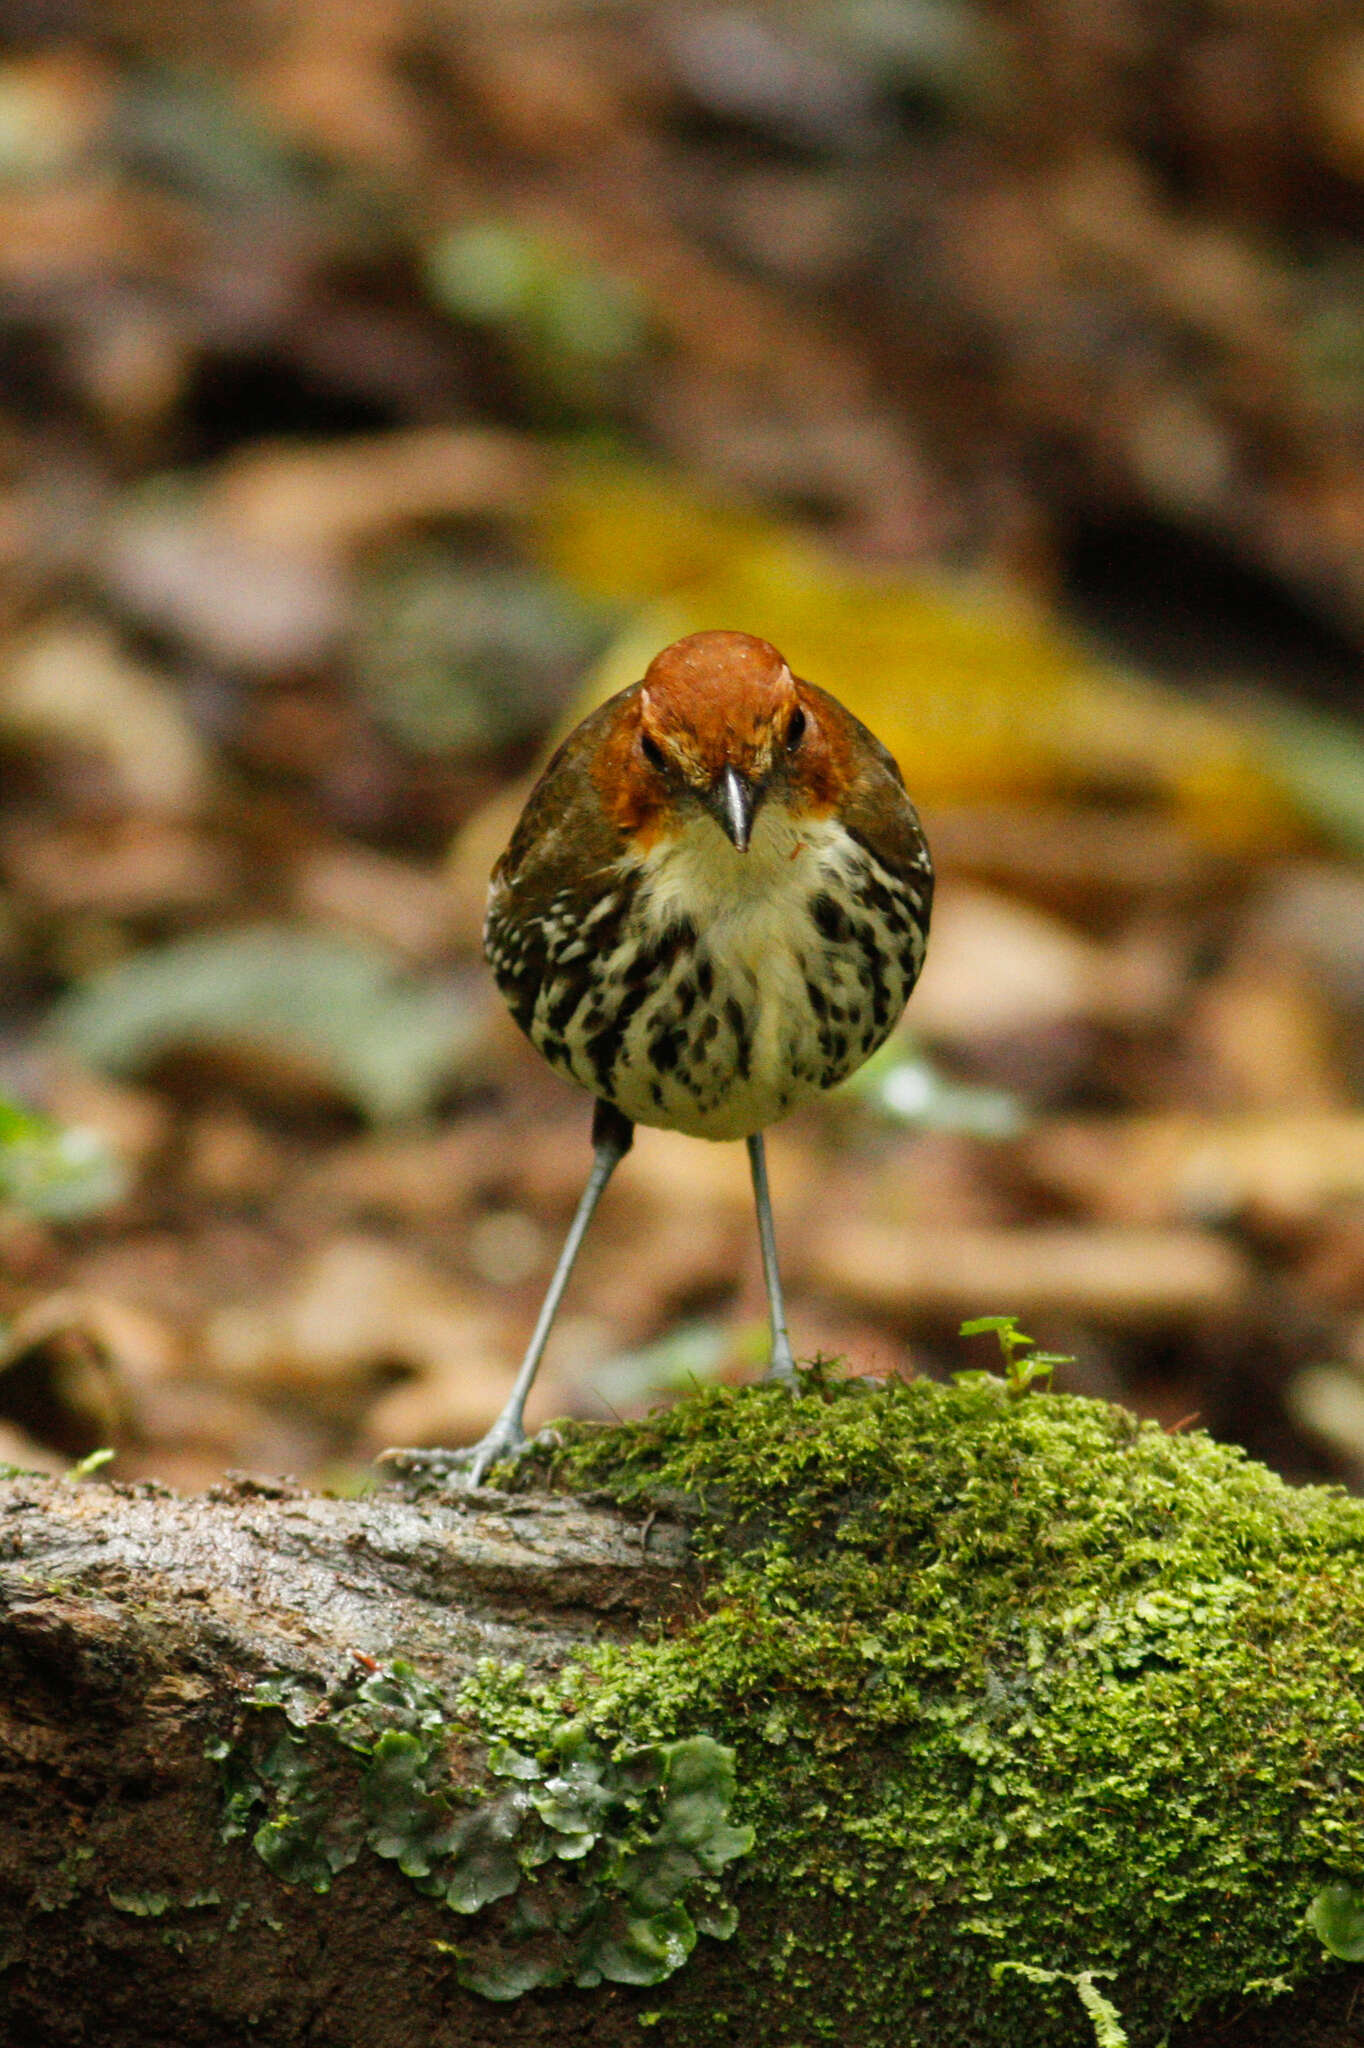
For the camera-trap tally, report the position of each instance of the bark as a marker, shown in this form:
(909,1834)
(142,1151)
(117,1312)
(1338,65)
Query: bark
(131,1623)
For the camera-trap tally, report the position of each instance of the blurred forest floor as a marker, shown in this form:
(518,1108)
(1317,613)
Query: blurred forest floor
(376,385)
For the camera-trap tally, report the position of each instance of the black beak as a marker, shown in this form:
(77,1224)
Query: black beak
(734,801)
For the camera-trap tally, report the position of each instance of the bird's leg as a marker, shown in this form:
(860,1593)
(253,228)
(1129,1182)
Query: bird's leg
(783,1365)
(612,1136)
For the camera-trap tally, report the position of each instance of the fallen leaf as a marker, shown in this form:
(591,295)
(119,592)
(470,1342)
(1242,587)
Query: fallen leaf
(62,1371)
(998,967)
(361,1309)
(1269,1035)
(386,1042)
(977,692)
(70,685)
(229,1158)
(1150,1170)
(320,504)
(130,867)
(240,602)
(393,902)
(1104,1273)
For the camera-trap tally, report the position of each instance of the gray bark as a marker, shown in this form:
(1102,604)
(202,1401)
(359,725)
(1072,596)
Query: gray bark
(131,1621)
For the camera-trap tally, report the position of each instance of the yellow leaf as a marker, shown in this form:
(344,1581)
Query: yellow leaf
(977,692)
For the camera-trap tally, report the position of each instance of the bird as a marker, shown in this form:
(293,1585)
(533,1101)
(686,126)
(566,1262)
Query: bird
(714,908)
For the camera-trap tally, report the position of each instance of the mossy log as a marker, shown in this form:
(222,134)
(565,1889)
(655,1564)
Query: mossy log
(877,1716)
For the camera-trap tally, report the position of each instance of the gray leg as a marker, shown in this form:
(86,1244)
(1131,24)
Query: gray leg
(612,1135)
(783,1365)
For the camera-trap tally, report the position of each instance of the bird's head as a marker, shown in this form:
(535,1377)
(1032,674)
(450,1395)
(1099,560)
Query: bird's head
(719,721)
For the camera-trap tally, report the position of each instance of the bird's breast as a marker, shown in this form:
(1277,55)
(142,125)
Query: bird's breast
(710,991)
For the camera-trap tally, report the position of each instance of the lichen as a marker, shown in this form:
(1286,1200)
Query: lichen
(608,1858)
(1007,1681)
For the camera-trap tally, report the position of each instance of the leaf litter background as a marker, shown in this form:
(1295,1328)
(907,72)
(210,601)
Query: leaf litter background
(378,386)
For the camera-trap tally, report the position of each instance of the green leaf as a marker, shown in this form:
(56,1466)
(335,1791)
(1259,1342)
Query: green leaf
(575,1802)
(1000,1326)
(1336,1917)
(385,1040)
(290,1848)
(488,1873)
(146,1905)
(483,1846)
(293,1697)
(511,1975)
(1104,2017)
(572,315)
(1319,760)
(456,657)
(699,1787)
(93,1462)
(657,1877)
(58,1175)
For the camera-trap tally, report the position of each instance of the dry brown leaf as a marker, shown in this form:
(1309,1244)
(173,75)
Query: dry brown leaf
(932,1179)
(70,1364)
(130,867)
(380,897)
(1100,1273)
(997,966)
(1335,100)
(229,1158)
(451,1405)
(422,1180)
(1271,1037)
(321,503)
(1332,1270)
(1314,912)
(1082,860)
(70,685)
(359,1308)
(239,601)
(1150,1170)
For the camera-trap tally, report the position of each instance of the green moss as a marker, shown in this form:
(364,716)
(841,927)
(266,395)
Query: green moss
(1016,1697)
(1006,1682)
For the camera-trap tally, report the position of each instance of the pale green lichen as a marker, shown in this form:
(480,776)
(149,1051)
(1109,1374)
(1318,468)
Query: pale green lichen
(1336,1917)
(609,1857)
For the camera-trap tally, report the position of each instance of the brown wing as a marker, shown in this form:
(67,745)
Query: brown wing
(876,811)
(558,866)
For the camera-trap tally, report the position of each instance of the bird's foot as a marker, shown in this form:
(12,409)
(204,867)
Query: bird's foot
(463,1470)
(782,1366)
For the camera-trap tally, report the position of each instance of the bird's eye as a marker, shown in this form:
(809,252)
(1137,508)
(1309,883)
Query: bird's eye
(652,752)
(795,731)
